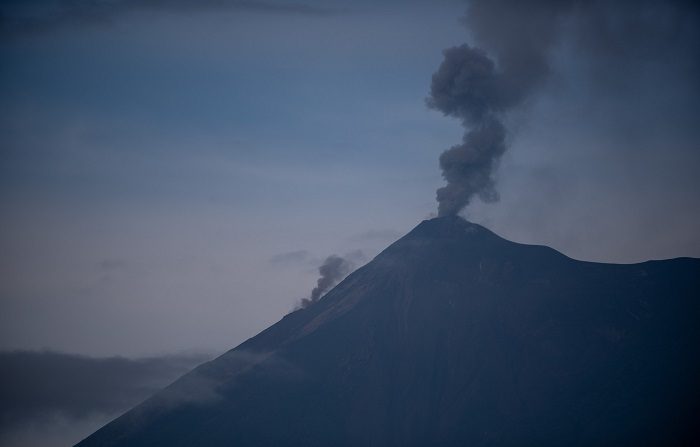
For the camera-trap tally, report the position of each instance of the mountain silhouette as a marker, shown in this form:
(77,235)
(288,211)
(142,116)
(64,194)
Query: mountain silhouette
(454,336)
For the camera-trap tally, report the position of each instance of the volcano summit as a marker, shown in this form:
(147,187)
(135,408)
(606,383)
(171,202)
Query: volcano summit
(453,336)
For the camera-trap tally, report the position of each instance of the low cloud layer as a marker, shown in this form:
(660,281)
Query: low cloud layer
(38,388)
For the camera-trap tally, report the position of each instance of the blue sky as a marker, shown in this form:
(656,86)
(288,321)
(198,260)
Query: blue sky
(156,160)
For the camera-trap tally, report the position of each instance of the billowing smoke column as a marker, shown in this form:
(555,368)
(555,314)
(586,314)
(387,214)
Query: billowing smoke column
(467,86)
(333,269)
(478,90)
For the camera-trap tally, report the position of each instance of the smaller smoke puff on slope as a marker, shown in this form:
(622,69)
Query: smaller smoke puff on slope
(332,271)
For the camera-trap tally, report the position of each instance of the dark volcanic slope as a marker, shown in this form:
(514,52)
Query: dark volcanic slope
(454,336)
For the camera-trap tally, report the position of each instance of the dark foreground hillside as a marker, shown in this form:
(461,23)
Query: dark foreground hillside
(454,336)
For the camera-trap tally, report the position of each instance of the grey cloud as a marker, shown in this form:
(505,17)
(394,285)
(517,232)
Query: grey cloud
(617,39)
(42,16)
(37,387)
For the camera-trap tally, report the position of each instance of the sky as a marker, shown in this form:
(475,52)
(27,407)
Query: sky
(173,173)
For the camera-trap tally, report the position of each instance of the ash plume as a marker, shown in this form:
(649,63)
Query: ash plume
(479,90)
(332,271)
(616,44)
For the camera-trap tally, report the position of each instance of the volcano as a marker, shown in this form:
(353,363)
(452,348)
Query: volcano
(454,336)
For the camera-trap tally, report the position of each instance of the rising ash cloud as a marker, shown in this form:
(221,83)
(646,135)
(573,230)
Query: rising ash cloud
(510,59)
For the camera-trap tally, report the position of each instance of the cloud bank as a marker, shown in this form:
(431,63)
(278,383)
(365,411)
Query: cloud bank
(37,387)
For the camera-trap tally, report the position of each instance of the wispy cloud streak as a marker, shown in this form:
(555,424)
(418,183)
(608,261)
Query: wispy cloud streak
(44,16)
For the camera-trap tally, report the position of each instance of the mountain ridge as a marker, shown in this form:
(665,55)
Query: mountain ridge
(453,334)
